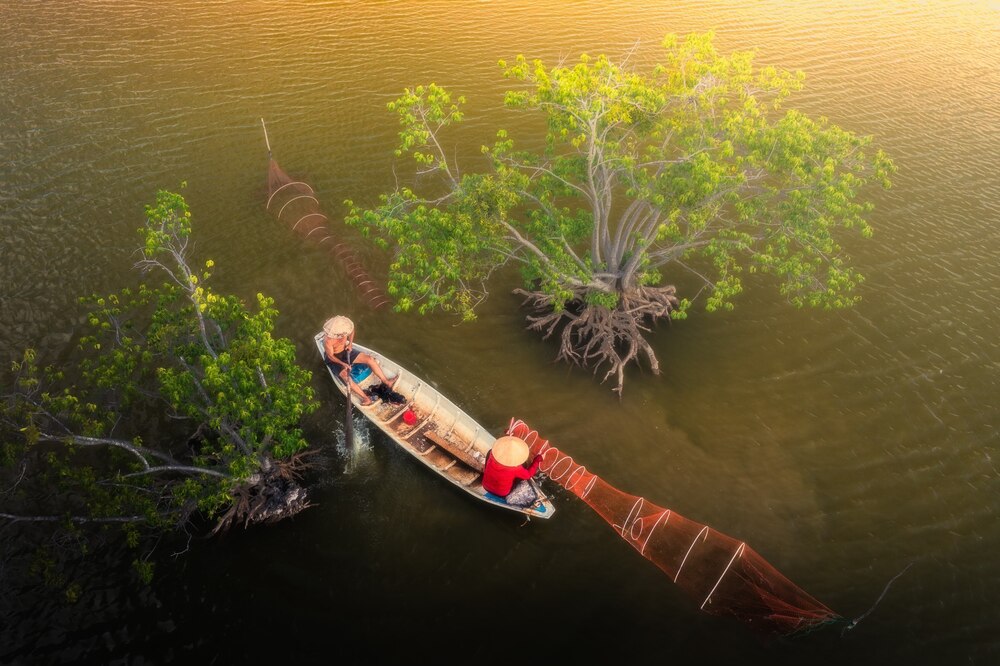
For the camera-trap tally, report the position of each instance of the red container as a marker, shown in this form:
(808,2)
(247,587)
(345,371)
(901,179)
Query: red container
(409,417)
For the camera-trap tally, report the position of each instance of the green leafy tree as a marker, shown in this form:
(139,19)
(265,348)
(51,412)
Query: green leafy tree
(691,167)
(188,408)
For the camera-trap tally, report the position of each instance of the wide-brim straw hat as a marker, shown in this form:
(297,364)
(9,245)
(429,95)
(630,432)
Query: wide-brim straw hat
(510,451)
(337,326)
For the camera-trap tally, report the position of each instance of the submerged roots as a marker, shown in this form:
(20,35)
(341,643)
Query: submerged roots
(599,337)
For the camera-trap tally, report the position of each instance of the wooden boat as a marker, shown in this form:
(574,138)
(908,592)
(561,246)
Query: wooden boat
(443,437)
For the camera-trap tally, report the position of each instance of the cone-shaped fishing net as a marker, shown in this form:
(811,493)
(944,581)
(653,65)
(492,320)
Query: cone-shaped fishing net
(722,575)
(295,204)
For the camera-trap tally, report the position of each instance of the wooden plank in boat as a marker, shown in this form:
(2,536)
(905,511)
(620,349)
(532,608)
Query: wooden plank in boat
(421,444)
(439,458)
(455,450)
(462,474)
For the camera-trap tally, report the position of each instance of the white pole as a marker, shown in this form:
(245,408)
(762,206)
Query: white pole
(265,136)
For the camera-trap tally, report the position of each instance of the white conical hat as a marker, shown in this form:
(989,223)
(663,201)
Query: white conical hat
(510,451)
(337,326)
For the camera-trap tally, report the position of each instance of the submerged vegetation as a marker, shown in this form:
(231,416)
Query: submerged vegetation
(693,167)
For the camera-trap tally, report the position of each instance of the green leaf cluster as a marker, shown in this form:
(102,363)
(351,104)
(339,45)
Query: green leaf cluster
(184,395)
(692,167)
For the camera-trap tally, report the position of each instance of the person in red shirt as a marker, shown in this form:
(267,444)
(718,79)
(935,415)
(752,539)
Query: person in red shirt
(505,466)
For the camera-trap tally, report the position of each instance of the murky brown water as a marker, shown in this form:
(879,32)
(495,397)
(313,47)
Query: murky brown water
(843,447)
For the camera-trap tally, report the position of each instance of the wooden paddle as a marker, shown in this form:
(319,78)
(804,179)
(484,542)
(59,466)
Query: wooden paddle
(349,424)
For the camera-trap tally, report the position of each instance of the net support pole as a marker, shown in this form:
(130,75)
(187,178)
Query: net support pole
(267,141)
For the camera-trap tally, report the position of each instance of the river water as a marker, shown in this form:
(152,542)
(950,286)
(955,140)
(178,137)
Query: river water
(844,447)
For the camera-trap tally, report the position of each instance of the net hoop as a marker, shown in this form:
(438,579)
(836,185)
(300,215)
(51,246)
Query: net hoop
(290,184)
(298,198)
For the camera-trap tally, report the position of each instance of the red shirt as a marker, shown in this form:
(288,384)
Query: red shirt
(499,479)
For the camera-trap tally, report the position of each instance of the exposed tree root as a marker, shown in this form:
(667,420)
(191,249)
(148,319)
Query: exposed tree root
(272,494)
(595,336)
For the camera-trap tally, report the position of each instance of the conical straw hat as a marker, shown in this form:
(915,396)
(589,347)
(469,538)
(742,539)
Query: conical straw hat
(510,451)
(338,326)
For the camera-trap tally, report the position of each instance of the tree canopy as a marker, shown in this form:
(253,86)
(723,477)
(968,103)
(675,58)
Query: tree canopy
(694,166)
(186,405)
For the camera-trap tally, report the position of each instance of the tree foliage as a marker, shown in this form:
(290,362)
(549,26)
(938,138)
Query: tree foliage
(186,405)
(694,167)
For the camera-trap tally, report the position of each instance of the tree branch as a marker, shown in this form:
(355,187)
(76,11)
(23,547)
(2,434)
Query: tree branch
(73,519)
(443,160)
(224,424)
(137,451)
(183,469)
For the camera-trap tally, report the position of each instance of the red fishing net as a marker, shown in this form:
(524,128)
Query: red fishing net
(295,204)
(723,575)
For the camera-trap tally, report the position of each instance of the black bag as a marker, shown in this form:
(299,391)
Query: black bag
(385,393)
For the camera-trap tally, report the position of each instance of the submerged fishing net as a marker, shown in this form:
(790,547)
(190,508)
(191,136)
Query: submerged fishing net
(295,204)
(723,575)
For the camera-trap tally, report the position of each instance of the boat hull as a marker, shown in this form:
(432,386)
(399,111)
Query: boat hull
(443,437)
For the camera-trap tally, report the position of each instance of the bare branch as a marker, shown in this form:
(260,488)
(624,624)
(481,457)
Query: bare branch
(137,451)
(78,520)
(17,482)
(183,469)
